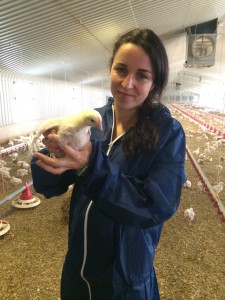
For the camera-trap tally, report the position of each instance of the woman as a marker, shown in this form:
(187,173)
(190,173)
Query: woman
(128,182)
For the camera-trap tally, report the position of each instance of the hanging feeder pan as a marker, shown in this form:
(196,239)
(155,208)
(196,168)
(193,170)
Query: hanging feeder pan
(19,203)
(4,227)
(26,200)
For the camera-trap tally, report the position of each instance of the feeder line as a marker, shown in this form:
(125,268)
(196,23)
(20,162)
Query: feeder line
(197,121)
(12,149)
(208,184)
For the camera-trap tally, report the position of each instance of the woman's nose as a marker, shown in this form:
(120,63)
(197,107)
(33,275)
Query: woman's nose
(128,82)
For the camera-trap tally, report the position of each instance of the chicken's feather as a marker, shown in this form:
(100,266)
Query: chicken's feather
(72,130)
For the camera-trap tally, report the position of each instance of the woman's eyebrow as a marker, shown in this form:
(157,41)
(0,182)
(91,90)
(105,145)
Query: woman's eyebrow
(143,70)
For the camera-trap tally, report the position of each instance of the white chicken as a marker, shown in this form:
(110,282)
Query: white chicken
(25,165)
(13,156)
(189,214)
(196,151)
(5,172)
(218,188)
(15,181)
(2,163)
(22,172)
(187,184)
(72,130)
(219,168)
(10,143)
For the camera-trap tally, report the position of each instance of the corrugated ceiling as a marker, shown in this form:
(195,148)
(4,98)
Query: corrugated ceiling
(70,39)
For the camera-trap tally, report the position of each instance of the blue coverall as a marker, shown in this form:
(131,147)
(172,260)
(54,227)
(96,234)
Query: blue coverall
(117,212)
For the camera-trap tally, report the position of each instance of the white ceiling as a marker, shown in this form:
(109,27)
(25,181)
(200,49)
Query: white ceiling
(71,40)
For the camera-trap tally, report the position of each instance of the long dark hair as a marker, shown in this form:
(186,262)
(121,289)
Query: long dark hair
(143,137)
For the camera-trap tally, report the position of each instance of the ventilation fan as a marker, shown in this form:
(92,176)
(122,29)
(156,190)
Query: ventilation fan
(201,50)
(203,46)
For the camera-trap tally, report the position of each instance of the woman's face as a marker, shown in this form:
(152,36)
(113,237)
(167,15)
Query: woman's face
(131,76)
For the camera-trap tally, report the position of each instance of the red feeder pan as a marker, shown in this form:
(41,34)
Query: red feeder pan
(26,200)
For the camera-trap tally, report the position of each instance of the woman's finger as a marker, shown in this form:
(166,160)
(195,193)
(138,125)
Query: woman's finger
(51,161)
(65,162)
(51,169)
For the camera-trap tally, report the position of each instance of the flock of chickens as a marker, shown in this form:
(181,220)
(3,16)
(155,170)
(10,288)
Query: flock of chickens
(209,153)
(22,170)
(73,130)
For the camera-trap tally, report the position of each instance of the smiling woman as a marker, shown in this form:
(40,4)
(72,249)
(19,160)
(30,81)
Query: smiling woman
(131,76)
(128,177)
(131,183)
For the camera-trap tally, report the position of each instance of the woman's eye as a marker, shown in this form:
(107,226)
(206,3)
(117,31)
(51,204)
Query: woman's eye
(142,76)
(120,70)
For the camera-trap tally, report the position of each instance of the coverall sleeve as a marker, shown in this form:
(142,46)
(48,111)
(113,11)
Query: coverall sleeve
(49,184)
(140,201)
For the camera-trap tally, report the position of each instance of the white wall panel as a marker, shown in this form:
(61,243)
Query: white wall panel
(5,102)
(25,99)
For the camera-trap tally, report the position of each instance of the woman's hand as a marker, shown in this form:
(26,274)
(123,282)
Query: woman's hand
(51,143)
(72,159)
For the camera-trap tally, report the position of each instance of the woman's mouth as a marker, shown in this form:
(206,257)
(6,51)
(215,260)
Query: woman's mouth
(124,94)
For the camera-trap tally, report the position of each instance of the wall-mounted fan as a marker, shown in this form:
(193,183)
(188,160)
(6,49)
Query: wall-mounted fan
(202,46)
(201,50)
